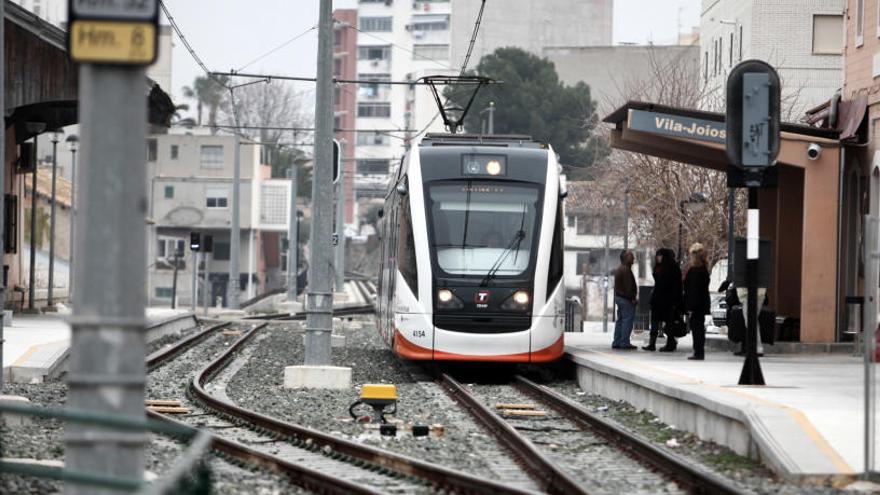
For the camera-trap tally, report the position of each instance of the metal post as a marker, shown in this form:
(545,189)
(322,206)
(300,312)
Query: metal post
(872,273)
(605,275)
(49,299)
(32,276)
(319,299)
(72,218)
(206,293)
(107,354)
(233,289)
(339,262)
(292,237)
(195,282)
(731,231)
(751,372)
(680,232)
(626,216)
(174,277)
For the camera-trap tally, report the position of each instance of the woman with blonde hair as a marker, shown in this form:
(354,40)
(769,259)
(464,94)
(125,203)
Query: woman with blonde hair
(696,298)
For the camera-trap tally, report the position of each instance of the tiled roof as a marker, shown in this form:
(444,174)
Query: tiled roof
(584,196)
(44,186)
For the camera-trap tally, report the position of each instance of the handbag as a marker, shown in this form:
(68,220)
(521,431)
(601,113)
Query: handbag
(676,326)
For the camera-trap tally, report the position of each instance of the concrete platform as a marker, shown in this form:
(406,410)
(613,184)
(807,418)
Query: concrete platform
(806,424)
(37,346)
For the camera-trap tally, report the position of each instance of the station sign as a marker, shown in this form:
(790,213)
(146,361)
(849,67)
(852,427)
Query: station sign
(118,32)
(677,126)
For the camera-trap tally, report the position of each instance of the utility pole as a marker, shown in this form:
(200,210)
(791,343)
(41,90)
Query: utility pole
(731,212)
(292,235)
(32,276)
(233,289)
(626,216)
(195,282)
(73,141)
(319,299)
(49,300)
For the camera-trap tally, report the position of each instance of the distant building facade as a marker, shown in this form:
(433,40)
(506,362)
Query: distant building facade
(345,102)
(190,190)
(803,39)
(532,25)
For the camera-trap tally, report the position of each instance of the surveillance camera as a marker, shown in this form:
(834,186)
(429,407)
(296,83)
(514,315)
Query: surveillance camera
(813,151)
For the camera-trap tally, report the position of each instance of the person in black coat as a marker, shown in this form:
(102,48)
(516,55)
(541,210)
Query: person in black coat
(696,298)
(665,298)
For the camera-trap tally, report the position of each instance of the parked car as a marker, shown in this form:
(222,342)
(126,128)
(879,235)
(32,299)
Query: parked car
(719,310)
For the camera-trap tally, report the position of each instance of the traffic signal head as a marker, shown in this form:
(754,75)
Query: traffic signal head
(195,241)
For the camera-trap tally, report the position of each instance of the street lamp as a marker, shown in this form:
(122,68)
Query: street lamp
(35,128)
(693,204)
(56,136)
(73,144)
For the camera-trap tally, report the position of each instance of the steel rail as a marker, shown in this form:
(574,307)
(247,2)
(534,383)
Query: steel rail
(164,355)
(695,479)
(359,309)
(439,477)
(536,463)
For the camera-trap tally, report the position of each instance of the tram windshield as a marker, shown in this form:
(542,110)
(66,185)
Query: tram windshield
(483,226)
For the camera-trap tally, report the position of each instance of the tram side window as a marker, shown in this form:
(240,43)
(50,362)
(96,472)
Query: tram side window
(406,253)
(554,271)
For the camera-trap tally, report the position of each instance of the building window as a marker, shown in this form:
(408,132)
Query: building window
(706,66)
(337,37)
(169,192)
(373,166)
(337,66)
(164,293)
(860,22)
(175,151)
(152,150)
(212,156)
(216,197)
(429,23)
(373,139)
(373,90)
(166,247)
(221,251)
(827,34)
(374,52)
(431,52)
(374,109)
(382,24)
(569,221)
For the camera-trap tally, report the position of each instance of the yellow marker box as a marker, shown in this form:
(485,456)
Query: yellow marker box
(112,42)
(381,391)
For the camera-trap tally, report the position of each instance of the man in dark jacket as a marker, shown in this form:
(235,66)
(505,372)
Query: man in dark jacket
(626,297)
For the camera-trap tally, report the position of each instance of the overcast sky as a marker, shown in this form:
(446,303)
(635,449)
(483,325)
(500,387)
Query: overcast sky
(229,34)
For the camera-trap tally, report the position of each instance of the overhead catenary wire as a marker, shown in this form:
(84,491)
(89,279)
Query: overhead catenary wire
(279,47)
(282,77)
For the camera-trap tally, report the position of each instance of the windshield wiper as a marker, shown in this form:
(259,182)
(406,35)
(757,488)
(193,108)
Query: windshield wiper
(514,244)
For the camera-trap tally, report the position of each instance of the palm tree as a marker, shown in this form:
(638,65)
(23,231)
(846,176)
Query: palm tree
(208,92)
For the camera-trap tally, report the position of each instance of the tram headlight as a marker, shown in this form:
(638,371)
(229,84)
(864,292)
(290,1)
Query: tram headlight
(518,301)
(446,299)
(493,167)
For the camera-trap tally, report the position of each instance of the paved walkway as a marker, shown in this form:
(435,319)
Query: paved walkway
(808,420)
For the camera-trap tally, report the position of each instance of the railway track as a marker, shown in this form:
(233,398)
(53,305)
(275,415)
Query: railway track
(313,459)
(364,288)
(535,442)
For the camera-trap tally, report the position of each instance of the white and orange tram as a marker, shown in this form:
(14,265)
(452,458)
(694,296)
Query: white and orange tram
(472,252)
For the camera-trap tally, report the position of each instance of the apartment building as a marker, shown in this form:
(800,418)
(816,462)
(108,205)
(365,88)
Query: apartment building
(190,190)
(803,39)
(397,41)
(345,104)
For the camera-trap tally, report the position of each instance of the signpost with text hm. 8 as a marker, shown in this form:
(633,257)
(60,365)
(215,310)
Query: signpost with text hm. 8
(753,104)
(113,41)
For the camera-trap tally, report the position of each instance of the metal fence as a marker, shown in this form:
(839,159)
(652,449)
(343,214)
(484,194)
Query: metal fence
(191,473)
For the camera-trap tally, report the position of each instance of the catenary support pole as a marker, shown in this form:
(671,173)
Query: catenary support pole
(32,273)
(319,298)
(491,117)
(292,237)
(751,372)
(339,261)
(206,286)
(50,303)
(233,289)
(106,371)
